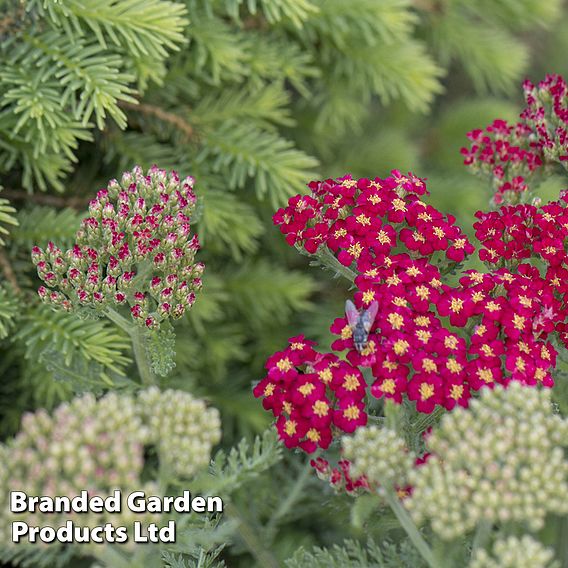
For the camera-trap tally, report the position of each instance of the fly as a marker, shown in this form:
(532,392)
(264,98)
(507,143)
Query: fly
(361,322)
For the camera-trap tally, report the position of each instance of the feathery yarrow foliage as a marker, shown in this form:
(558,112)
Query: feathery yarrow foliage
(102,445)
(134,249)
(500,461)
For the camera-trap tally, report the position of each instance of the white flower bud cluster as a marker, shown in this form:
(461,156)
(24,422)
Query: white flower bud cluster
(513,552)
(499,461)
(183,429)
(380,455)
(99,446)
(86,444)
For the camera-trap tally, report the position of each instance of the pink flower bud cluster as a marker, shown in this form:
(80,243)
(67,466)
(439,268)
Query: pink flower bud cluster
(507,155)
(135,249)
(511,154)
(340,477)
(547,115)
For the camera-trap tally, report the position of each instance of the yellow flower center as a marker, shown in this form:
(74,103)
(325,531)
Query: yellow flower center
(423,335)
(307,389)
(485,375)
(346,332)
(351,412)
(429,366)
(368,296)
(456,305)
(423,292)
(401,346)
(456,392)
(284,364)
(313,435)
(399,204)
(453,366)
(519,322)
(320,408)
(340,233)
(355,250)
(426,391)
(396,320)
(450,342)
(325,375)
(290,427)
(351,382)
(369,350)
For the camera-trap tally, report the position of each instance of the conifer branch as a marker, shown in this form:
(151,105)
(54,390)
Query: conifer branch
(8,271)
(164,115)
(73,202)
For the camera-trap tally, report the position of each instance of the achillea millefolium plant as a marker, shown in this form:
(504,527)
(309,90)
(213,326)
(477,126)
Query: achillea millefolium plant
(443,373)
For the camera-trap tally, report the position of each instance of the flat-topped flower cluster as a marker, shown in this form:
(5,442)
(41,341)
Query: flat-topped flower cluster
(432,342)
(102,445)
(514,156)
(135,249)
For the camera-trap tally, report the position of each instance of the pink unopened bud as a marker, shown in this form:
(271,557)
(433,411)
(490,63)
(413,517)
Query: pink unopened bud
(136,311)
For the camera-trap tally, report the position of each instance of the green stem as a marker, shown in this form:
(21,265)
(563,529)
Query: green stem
(291,498)
(562,541)
(481,537)
(329,260)
(392,414)
(410,528)
(141,356)
(137,338)
(251,539)
(119,320)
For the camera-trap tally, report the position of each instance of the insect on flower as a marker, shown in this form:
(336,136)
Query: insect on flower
(360,322)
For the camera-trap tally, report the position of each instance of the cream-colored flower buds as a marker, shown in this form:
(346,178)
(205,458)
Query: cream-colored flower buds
(499,461)
(380,455)
(513,552)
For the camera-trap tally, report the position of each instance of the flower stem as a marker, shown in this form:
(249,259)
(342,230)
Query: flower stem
(251,539)
(410,528)
(141,356)
(481,537)
(328,260)
(136,334)
(291,498)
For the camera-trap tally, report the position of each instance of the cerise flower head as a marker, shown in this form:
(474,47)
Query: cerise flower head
(134,249)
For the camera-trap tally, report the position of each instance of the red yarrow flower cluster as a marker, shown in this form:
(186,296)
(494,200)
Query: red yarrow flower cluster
(362,221)
(312,395)
(135,249)
(507,155)
(430,342)
(547,115)
(511,154)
